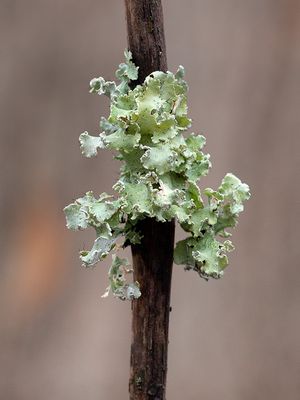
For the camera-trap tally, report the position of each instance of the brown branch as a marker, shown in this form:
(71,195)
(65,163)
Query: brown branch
(153,259)
(146,37)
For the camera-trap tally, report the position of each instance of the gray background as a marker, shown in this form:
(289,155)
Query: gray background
(237,338)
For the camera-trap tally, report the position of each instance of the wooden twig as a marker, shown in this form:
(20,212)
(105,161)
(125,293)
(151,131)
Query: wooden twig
(153,259)
(146,37)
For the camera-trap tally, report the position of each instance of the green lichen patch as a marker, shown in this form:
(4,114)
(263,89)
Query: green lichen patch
(161,167)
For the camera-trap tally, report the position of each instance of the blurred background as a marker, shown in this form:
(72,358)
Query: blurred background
(237,338)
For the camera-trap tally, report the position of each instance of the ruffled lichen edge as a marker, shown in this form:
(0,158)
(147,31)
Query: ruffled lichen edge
(161,167)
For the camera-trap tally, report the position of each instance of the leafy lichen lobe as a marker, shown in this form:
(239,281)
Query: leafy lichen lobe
(161,166)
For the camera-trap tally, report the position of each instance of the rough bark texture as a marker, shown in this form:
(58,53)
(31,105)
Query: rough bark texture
(146,37)
(153,259)
(150,314)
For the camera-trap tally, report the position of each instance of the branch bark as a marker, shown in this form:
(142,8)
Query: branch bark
(153,258)
(146,38)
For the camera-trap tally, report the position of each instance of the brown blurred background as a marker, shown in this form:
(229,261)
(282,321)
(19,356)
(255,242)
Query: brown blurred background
(237,338)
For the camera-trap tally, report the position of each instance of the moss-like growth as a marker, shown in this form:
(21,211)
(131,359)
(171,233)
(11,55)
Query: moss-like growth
(158,179)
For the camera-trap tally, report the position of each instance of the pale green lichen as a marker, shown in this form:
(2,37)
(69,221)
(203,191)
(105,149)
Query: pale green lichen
(159,175)
(117,280)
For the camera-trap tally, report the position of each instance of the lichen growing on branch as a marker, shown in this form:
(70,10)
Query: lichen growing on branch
(158,179)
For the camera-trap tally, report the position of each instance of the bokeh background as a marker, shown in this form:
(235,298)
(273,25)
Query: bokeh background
(237,338)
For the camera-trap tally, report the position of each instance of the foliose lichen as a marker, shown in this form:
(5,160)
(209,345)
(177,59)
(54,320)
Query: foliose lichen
(160,170)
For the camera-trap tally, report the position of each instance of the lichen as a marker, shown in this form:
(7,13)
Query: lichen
(159,176)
